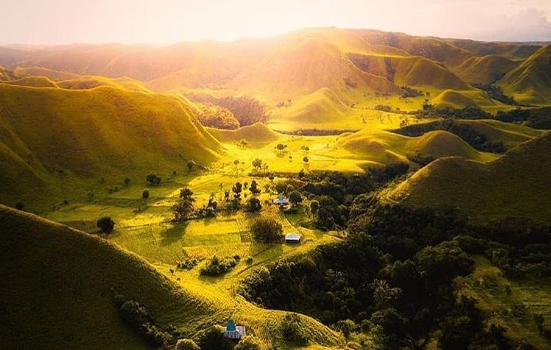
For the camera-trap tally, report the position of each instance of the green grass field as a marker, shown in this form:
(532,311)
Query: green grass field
(513,311)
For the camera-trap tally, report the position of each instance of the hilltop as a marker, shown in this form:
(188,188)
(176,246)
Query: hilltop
(516,184)
(323,76)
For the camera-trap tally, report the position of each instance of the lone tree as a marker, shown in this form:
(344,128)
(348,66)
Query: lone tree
(153,179)
(127,181)
(257,164)
(267,230)
(305,159)
(106,224)
(253,205)
(295,197)
(19,205)
(145,194)
(184,207)
(281,147)
(190,165)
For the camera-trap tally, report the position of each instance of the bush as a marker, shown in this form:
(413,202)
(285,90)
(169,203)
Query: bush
(267,230)
(292,331)
(145,194)
(19,205)
(139,318)
(217,267)
(153,179)
(186,344)
(248,343)
(214,339)
(106,224)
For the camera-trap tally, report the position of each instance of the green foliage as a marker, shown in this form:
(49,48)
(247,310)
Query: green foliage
(186,344)
(217,267)
(295,197)
(214,339)
(253,205)
(127,181)
(106,224)
(153,180)
(145,194)
(267,230)
(248,343)
(139,318)
(292,331)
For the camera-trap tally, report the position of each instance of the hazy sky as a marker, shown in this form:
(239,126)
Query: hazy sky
(170,21)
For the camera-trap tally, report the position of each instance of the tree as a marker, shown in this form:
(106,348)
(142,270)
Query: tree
(253,205)
(295,197)
(305,159)
(254,188)
(153,179)
(187,344)
(267,230)
(186,193)
(145,194)
(248,343)
(182,209)
(314,206)
(539,319)
(214,339)
(190,165)
(127,181)
(19,205)
(237,188)
(257,164)
(280,147)
(106,224)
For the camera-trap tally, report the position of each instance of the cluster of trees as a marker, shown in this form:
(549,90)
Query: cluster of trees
(216,266)
(140,319)
(474,138)
(152,179)
(410,92)
(247,110)
(496,93)
(217,117)
(267,230)
(538,118)
(392,278)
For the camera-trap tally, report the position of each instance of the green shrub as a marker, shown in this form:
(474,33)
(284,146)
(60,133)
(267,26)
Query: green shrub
(106,224)
(217,267)
(267,230)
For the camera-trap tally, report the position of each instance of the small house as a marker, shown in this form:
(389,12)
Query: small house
(281,200)
(233,331)
(293,237)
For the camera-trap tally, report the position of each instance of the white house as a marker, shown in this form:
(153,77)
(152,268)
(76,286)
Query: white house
(233,331)
(293,237)
(281,200)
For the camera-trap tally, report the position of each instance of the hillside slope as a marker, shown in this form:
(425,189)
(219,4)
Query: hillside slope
(60,284)
(98,132)
(516,184)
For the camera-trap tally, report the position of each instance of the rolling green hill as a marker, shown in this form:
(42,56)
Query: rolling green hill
(387,147)
(530,82)
(60,282)
(101,132)
(516,184)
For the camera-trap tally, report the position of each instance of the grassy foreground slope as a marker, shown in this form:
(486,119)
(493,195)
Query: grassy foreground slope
(516,184)
(52,134)
(60,284)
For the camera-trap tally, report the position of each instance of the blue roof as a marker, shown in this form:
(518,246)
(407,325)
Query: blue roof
(230,327)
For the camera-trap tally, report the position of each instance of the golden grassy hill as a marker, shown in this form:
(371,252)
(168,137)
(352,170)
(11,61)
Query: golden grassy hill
(97,133)
(257,135)
(386,147)
(60,286)
(530,82)
(485,69)
(516,184)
